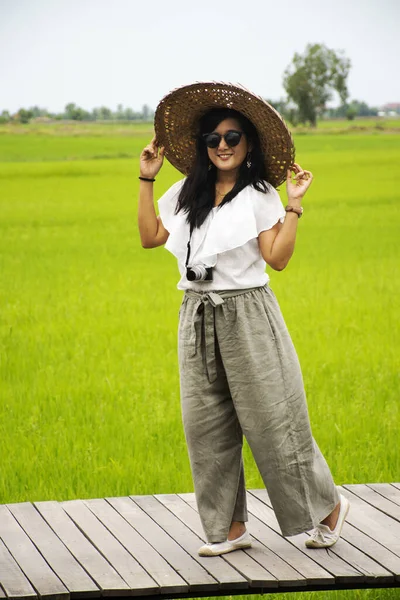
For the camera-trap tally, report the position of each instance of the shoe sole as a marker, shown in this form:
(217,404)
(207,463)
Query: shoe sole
(209,552)
(316,545)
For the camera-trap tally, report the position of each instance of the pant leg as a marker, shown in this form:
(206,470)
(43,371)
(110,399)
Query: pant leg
(213,434)
(267,389)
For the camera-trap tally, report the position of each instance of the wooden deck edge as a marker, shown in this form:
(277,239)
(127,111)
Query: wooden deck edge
(269,590)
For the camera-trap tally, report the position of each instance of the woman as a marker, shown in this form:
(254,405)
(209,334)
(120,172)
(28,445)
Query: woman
(239,372)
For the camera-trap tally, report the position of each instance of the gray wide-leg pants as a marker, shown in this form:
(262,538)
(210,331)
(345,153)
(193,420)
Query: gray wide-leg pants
(239,374)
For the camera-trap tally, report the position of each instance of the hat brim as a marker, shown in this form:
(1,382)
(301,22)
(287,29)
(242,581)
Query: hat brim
(176,125)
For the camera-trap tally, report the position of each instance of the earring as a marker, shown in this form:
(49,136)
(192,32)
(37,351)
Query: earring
(248,163)
(210,166)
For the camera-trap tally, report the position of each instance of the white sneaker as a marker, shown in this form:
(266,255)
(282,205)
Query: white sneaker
(322,536)
(244,541)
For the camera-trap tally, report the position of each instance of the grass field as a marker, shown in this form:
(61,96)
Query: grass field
(80,140)
(88,319)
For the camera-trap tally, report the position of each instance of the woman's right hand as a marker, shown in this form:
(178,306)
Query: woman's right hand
(151,159)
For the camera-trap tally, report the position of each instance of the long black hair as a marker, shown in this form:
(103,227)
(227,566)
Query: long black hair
(197,196)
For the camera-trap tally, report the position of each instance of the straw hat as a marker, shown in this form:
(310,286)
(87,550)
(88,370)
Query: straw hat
(177,115)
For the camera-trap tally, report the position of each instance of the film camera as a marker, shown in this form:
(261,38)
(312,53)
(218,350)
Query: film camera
(199,273)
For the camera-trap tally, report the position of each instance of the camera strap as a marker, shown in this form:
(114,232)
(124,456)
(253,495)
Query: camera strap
(188,247)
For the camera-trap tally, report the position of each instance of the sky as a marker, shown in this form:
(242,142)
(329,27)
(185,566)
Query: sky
(110,52)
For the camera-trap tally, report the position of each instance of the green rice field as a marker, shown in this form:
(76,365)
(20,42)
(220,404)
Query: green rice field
(89,383)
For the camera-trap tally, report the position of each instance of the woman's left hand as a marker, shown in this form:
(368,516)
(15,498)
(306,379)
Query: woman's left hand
(297,187)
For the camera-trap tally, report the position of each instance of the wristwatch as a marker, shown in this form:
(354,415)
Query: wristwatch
(297,209)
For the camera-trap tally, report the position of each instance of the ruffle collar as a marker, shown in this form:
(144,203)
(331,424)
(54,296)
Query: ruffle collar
(225,228)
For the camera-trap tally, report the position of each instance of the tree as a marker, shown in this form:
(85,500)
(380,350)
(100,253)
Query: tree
(120,114)
(70,110)
(129,114)
(5,116)
(38,112)
(24,116)
(312,77)
(104,113)
(75,113)
(351,113)
(145,112)
(363,110)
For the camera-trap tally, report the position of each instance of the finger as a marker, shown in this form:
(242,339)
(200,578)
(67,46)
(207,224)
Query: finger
(306,183)
(147,153)
(150,144)
(149,147)
(162,151)
(307,176)
(154,146)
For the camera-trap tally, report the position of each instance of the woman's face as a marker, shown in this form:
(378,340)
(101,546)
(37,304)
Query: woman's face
(227,158)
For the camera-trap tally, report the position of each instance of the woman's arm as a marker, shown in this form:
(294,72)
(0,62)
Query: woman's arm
(277,244)
(151,230)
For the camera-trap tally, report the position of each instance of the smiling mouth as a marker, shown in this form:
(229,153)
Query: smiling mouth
(224,155)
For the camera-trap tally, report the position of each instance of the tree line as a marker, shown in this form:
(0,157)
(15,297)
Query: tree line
(310,82)
(72,112)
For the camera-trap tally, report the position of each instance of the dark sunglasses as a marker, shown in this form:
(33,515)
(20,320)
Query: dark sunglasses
(231,137)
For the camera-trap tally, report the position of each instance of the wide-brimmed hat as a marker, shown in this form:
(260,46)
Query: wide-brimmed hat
(178,113)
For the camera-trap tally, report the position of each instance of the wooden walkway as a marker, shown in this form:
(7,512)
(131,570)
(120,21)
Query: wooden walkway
(147,546)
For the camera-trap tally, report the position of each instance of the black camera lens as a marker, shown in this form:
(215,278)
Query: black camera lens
(190,275)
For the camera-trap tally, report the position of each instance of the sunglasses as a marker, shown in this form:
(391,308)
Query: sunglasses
(231,137)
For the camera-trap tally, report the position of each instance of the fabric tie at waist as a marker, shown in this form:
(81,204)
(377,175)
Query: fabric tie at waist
(203,312)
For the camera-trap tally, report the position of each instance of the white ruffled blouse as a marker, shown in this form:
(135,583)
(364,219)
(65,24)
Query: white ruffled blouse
(227,240)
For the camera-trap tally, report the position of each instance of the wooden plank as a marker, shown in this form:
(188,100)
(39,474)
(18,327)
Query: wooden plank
(69,571)
(104,575)
(2,594)
(273,563)
(256,575)
(197,578)
(240,560)
(376,500)
(372,548)
(373,522)
(161,542)
(343,572)
(222,573)
(369,547)
(14,582)
(309,570)
(396,485)
(359,540)
(157,567)
(373,571)
(251,569)
(354,556)
(124,563)
(31,562)
(192,539)
(387,491)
